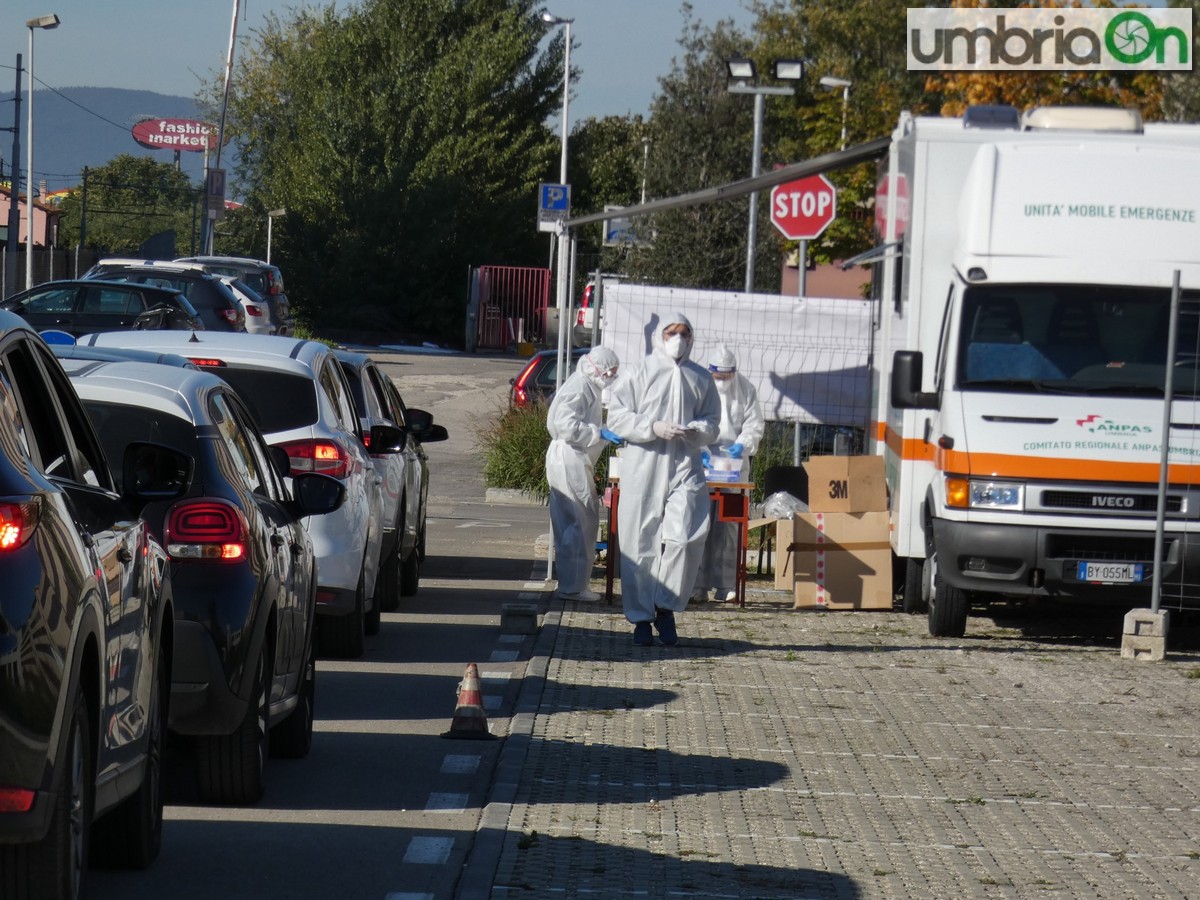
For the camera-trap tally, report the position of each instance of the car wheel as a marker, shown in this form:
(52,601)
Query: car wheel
(231,768)
(387,588)
(342,636)
(948,606)
(371,616)
(130,836)
(53,868)
(914,586)
(421,544)
(292,738)
(410,574)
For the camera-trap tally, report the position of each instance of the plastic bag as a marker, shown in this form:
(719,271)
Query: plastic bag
(782,505)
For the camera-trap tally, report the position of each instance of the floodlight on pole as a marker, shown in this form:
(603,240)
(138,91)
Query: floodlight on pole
(741,73)
(45,23)
(832,83)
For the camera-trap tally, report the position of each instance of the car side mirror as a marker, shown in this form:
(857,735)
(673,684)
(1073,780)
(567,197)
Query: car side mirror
(387,439)
(154,472)
(906,390)
(316,495)
(151,318)
(422,429)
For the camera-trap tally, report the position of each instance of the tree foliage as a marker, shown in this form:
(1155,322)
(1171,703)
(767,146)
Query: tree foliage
(129,200)
(406,139)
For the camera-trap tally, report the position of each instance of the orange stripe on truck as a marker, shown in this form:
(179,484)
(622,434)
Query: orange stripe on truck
(907,448)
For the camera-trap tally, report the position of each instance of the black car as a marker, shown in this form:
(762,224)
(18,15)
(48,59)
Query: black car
(83,306)
(405,475)
(243,568)
(218,307)
(86,634)
(538,380)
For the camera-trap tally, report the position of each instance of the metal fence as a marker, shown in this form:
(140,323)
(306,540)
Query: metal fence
(48,265)
(507,306)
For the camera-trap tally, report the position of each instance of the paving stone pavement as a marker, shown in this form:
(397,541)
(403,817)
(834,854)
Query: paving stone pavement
(776,753)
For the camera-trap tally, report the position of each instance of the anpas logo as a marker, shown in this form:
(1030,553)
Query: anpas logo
(1100,425)
(1049,39)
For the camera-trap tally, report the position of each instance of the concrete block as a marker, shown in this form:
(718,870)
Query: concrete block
(1146,623)
(1144,649)
(519,618)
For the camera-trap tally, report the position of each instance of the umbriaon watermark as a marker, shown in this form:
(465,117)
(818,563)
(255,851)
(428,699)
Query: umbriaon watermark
(1049,39)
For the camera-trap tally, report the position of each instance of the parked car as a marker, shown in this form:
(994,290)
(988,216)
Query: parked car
(254,305)
(218,307)
(243,569)
(85,634)
(81,306)
(590,306)
(298,395)
(116,354)
(405,474)
(537,382)
(262,277)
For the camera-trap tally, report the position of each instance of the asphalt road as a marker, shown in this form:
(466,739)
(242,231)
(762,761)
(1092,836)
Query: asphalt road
(384,806)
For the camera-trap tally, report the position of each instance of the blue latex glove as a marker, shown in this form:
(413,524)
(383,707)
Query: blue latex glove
(706,459)
(735,450)
(611,437)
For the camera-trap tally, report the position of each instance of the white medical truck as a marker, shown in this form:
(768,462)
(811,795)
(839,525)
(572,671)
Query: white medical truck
(1024,313)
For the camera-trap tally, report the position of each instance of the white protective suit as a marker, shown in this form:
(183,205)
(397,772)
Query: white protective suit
(662,518)
(574,425)
(742,423)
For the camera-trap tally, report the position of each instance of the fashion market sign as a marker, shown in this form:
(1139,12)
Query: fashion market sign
(1049,39)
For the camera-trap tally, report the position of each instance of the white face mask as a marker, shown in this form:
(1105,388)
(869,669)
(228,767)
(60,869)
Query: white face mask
(607,378)
(722,385)
(674,346)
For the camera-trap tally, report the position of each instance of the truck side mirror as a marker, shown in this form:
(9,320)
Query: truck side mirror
(906,393)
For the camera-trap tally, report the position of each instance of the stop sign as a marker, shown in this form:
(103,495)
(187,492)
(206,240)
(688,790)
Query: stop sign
(803,209)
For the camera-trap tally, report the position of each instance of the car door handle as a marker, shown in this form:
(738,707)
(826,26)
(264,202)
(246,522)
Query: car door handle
(124,555)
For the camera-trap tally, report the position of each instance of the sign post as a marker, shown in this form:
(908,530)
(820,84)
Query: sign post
(801,210)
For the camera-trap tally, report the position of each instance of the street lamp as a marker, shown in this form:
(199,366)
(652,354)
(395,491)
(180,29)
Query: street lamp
(742,72)
(46,22)
(831,82)
(270,218)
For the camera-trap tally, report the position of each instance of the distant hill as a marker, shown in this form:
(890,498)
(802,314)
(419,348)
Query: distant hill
(73,132)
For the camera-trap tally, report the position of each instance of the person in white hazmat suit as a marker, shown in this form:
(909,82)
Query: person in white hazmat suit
(577,437)
(668,410)
(742,426)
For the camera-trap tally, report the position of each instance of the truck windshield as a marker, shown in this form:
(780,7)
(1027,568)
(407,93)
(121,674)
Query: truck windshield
(1076,339)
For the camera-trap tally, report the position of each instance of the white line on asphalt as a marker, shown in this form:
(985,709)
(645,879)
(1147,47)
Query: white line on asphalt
(446,803)
(503,656)
(534,586)
(428,850)
(483,525)
(495,676)
(460,764)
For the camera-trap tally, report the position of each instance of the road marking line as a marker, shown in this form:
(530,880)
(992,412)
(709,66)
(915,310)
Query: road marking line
(495,676)
(428,850)
(460,764)
(533,586)
(446,803)
(503,656)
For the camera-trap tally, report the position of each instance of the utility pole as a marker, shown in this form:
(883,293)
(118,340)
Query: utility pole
(14,211)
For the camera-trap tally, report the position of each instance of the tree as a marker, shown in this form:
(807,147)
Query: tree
(130,199)
(1181,92)
(406,139)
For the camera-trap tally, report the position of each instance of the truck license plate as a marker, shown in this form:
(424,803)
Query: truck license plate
(1109,573)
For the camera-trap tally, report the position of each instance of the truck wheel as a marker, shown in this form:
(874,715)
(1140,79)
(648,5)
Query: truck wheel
(232,767)
(914,586)
(130,836)
(948,607)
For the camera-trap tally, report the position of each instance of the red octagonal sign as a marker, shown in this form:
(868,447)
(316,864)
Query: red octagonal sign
(803,209)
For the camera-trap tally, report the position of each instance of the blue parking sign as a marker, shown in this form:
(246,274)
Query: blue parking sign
(554,205)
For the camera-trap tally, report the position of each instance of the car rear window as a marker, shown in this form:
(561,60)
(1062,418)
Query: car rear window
(279,401)
(118,425)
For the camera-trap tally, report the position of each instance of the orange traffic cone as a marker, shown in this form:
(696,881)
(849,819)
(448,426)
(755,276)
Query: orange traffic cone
(469,719)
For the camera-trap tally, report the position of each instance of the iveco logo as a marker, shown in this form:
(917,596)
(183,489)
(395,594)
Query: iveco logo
(1112,502)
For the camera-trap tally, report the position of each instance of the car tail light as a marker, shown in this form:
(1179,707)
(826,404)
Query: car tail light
(206,363)
(207,530)
(520,392)
(254,311)
(15,800)
(579,317)
(322,457)
(17,523)
(229,315)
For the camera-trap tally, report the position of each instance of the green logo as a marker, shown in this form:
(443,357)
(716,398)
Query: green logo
(1132,37)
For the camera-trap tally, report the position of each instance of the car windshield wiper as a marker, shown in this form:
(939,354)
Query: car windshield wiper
(1147,390)
(1020,384)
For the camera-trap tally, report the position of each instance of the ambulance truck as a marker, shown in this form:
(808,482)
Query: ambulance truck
(1024,314)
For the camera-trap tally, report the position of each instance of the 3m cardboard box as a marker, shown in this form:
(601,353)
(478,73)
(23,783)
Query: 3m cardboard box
(841,561)
(785,570)
(846,484)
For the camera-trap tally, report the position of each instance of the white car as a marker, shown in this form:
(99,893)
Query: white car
(298,393)
(254,305)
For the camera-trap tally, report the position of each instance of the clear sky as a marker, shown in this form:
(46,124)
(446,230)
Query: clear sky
(167,46)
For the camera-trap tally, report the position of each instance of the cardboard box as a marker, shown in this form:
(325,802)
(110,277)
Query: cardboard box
(785,570)
(842,561)
(846,484)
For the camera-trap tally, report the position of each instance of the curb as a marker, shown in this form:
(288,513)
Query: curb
(483,859)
